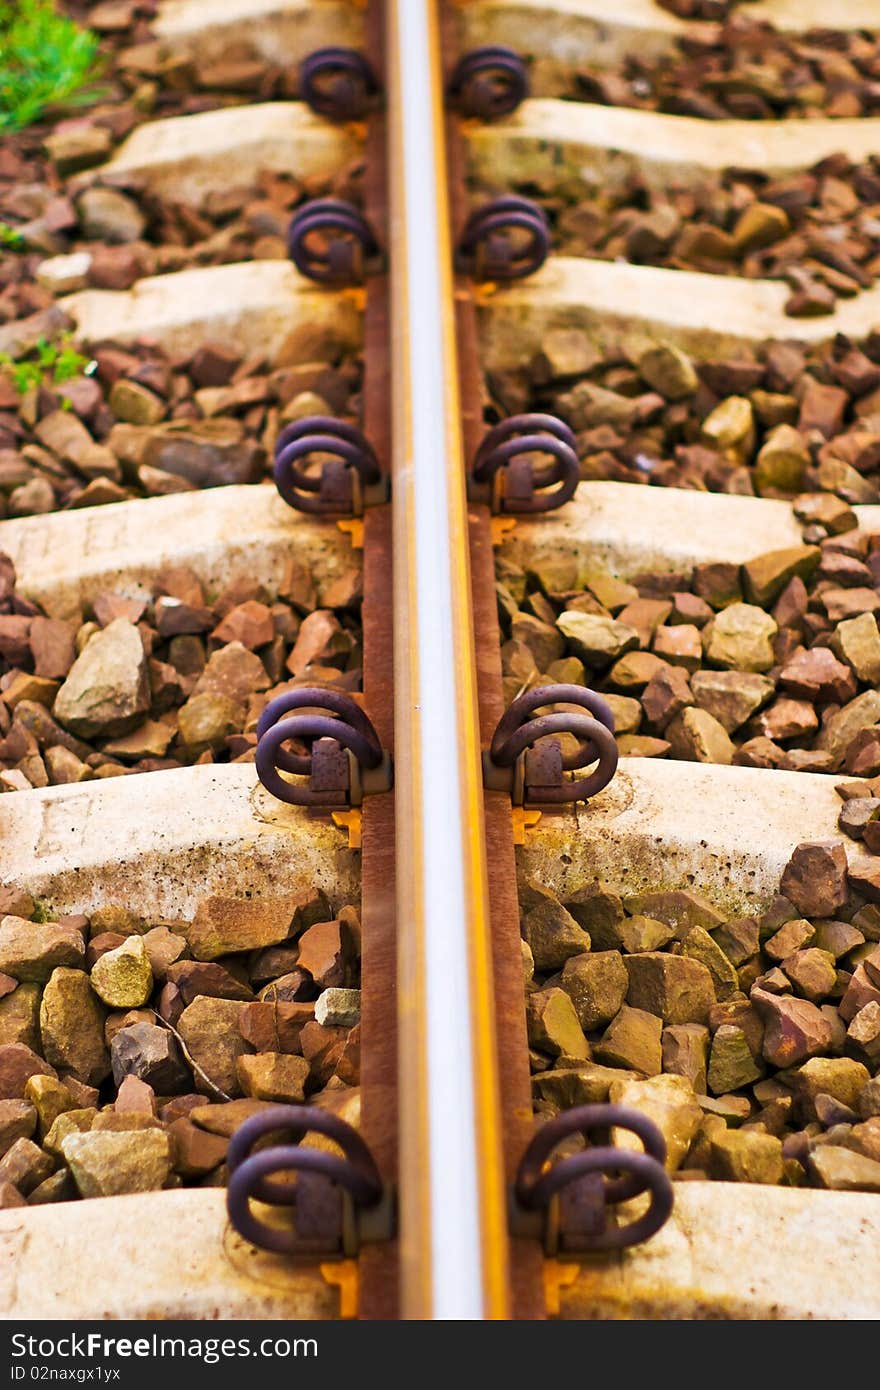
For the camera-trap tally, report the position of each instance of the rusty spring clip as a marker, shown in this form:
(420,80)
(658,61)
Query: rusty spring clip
(505,474)
(331,241)
(338,1203)
(344,483)
(338,83)
(505,239)
(566,1204)
(488,83)
(533,775)
(346,761)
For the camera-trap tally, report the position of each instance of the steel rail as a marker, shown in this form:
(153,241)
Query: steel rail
(453,1222)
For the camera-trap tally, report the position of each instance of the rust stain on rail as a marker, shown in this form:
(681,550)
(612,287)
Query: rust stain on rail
(378,1264)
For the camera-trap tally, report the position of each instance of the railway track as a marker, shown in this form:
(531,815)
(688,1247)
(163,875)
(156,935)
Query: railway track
(724,617)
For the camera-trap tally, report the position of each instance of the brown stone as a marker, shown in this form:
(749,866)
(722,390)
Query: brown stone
(122,977)
(195,1152)
(677,989)
(815,878)
(794,1029)
(679,908)
(553,935)
(857,642)
(632,1040)
(666,695)
(767,575)
(276,1076)
(224,925)
(697,944)
(813,974)
(739,939)
(20,1016)
(193,977)
(680,645)
(731,697)
(232,673)
(52,646)
(32,950)
(860,991)
(864,877)
(746,1156)
(792,936)
(553,1025)
(50,1098)
(587,1084)
(210,1031)
(25,1166)
(106,691)
(135,1097)
(596,983)
(822,408)
(324,951)
(109,1164)
(842,1078)
(685,1052)
(841,1170)
(18,1064)
(249,623)
(226,1118)
(740,638)
(633,671)
(863,1033)
(717,583)
(152,1054)
(163,948)
(72,1026)
(321,641)
(640,933)
(818,675)
(787,719)
(667,1100)
(731,1064)
(18,1120)
(598,910)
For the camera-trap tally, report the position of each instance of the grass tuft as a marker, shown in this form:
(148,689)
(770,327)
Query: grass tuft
(47,362)
(46,60)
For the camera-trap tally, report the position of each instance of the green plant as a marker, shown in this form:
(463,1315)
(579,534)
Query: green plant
(10,236)
(57,362)
(45,60)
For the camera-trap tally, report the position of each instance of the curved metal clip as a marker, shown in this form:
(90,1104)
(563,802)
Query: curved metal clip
(331,241)
(348,477)
(488,82)
(504,472)
(533,776)
(567,1203)
(504,240)
(345,762)
(337,83)
(337,1201)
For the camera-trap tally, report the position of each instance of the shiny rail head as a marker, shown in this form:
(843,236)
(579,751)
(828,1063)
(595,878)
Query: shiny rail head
(338,83)
(506,473)
(506,239)
(569,1202)
(326,467)
(342,756)
(330,240)
(533,775)
(488,83)
(327,1195)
